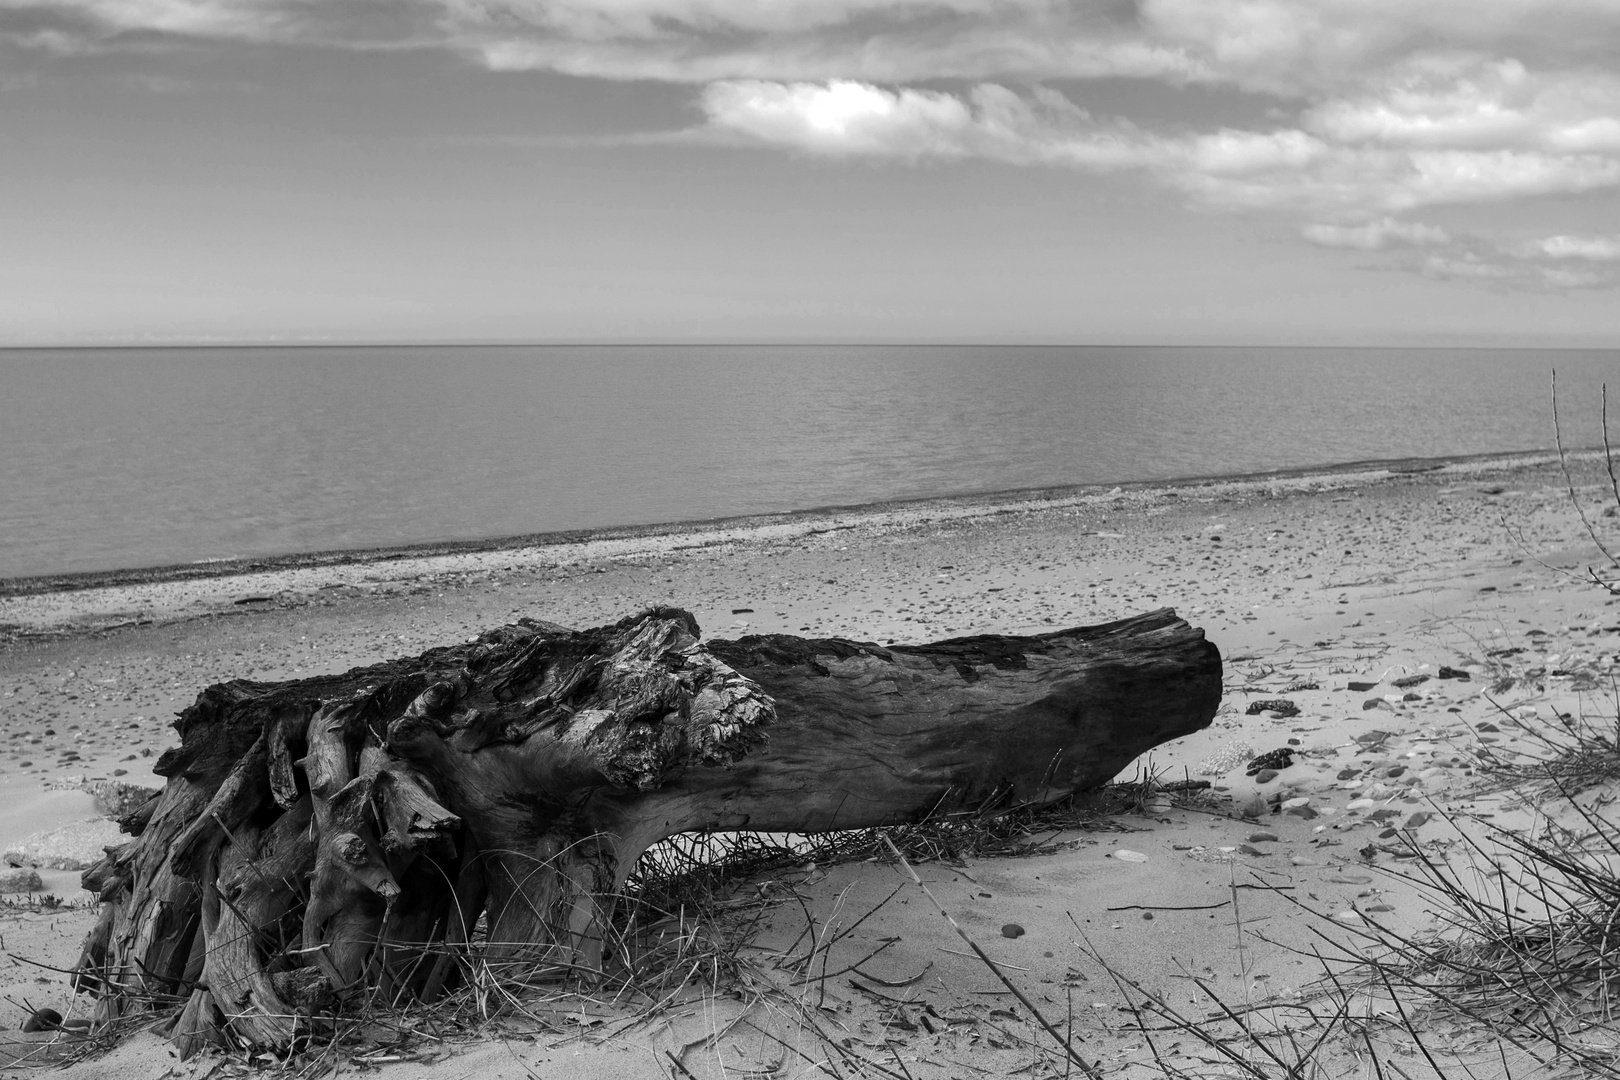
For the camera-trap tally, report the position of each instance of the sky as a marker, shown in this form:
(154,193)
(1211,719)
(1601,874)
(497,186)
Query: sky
(1021,171)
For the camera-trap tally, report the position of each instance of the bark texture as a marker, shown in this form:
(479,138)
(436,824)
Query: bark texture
(348,834)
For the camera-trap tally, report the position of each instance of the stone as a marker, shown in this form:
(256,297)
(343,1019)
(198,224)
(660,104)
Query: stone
(1262,837)
(75,846)
(1226,760)
(1125,855)
(1454,673)
(116,798)
(1280,707)
(1361,687)
(1265,776)
(42,1020)
(1012,930)
(1275,759)
(20,879)
(1208,855)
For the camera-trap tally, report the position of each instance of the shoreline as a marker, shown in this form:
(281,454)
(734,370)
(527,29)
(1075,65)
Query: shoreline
(1358,595)
(934,507)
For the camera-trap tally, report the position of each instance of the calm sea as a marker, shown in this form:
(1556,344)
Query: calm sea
(124,458)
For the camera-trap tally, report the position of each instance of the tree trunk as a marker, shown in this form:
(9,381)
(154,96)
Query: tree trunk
(341,834)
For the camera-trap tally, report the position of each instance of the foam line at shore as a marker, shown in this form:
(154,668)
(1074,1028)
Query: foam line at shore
(100,601)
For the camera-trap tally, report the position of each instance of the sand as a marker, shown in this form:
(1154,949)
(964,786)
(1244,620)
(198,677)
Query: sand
(1364,576)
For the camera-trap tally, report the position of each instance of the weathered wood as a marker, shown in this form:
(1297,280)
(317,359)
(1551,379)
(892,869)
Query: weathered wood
(344,835)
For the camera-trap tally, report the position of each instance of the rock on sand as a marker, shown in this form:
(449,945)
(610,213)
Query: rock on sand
(21,880)
(75,846)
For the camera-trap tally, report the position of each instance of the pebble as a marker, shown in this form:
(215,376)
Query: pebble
(1012,930)
(1206,855)
(1126,855)
(1226,760)
(1358,804)
(1250,849)
(43,1020)
(1265,776)
(1262,837)
(21,880)
(1300,860)
(74,846)
(1298,800)
(1349,785)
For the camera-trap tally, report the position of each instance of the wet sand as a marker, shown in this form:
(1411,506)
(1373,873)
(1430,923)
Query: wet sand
(1363,575)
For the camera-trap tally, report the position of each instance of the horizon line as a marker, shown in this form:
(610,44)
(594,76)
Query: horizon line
(608,343)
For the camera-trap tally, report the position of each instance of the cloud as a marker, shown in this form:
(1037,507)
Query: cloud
(1376,235)
(1508,273)
(845,118)
(1295,48)
(91,20)
(1545,264)
(1284,168)
(1593,248)
(1381,108)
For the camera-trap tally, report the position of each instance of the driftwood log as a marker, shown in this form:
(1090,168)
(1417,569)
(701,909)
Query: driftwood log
(350,833)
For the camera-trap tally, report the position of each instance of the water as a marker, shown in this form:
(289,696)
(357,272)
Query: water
(124,458)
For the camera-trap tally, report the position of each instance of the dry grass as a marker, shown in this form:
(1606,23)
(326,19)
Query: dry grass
(1564,759)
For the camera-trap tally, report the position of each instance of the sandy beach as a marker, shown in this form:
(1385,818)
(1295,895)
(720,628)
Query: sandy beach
(1322,589)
